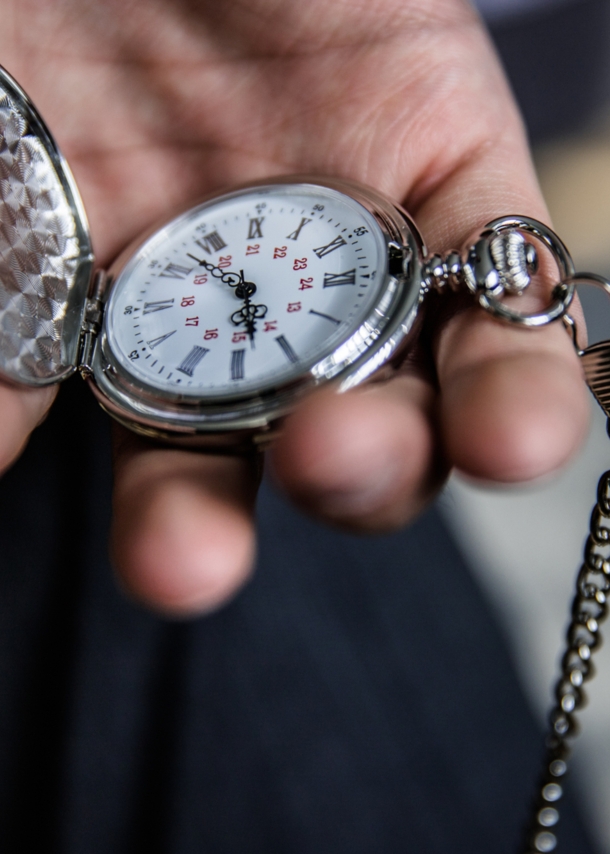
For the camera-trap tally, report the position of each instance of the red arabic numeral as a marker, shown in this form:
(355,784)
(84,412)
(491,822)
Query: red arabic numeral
(210,333)
(280,251)
(299,264)
(254,249)
(186,301)
(201,279)
(238,336)
(306,283)
(294,306)
(270,326)
(192,321)
(224,261)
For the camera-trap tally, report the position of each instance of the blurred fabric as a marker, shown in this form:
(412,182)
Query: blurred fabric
(356,697)
(557,59)
(499,10)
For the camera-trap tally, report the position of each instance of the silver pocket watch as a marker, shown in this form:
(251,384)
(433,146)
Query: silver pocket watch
(207,329)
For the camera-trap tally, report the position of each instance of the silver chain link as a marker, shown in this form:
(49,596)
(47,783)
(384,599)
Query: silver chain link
(589,609)
(502,261)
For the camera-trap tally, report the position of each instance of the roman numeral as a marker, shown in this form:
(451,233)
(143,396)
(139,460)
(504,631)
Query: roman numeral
(175,271)
(297,231)
(149,307)
(347,278)
(156,341)
(211,243)
(325,316)
(190,362)
(255,227)
(237,364)
(321,251)
(288,351)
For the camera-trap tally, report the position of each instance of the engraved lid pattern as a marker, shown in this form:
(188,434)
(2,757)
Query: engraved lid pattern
(40,251)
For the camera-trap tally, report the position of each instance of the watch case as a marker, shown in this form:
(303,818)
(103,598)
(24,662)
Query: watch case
(52,303)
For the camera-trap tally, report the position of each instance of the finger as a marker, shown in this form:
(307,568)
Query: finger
(514,404)
(21,410)
(182,535)
(365,460)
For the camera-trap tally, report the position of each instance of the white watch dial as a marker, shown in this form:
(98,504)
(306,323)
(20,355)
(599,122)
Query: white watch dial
(246,291)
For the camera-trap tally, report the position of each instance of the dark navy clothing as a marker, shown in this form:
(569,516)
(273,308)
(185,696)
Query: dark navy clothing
(356,697)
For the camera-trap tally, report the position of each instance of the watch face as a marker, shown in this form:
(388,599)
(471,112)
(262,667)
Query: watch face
(246,292)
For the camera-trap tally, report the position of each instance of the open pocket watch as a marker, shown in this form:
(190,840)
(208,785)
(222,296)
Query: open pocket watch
(209,328)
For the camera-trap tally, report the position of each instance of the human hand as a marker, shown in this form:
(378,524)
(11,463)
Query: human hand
(156,103)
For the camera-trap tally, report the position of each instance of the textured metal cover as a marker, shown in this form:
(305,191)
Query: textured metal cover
(45,248)
(596,364)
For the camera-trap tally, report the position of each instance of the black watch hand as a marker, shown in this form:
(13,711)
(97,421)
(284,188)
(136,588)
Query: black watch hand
(228,277)
(249,312)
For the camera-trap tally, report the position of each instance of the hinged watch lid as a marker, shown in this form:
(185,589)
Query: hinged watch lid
(45,248)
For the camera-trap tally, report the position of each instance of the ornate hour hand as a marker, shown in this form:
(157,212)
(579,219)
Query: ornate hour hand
(247,316)
(249,312)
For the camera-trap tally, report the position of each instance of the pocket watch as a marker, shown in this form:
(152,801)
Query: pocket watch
(208,328)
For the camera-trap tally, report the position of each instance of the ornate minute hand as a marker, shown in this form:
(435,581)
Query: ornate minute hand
(230,278)
(249,312)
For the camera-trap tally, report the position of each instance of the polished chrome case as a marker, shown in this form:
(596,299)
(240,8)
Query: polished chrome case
(378,340)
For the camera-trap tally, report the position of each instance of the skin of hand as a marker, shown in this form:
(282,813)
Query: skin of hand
(157,102)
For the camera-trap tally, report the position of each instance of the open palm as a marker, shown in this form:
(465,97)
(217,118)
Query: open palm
(156,102)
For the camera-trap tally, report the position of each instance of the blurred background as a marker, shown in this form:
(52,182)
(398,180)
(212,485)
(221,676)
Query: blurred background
(525,545)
